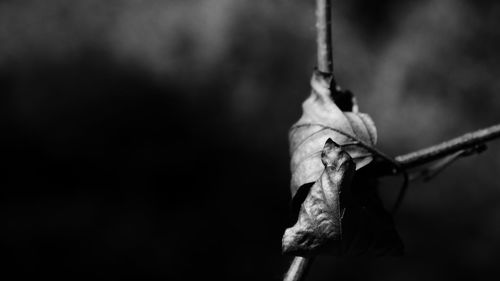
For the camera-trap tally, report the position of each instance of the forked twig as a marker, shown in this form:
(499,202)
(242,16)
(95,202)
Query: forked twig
(471,142)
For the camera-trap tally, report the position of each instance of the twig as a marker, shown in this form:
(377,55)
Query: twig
(469,140)
(297,269)
(299,265)
(324,35)
(430,172)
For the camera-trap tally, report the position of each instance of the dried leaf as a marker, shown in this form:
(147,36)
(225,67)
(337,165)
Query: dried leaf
(321,120)
(328,146)
(321,212)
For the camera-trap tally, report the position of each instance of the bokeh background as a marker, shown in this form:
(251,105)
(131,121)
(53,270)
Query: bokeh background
(148,139)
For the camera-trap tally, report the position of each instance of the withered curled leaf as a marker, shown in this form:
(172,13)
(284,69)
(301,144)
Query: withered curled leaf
(328,146)
(321,120)
(321,212)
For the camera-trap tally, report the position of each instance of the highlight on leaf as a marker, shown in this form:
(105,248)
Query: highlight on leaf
(321,120)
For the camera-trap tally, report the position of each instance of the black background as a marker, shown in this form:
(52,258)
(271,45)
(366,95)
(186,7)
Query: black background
(148,139)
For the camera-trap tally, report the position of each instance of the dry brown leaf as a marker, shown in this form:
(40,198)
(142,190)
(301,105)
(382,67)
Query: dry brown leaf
(327,146)
(319,220)
(322,120)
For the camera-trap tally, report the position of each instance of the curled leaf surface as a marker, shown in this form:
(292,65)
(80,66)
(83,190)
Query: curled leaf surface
(321,120)
(328,148)
(319,220)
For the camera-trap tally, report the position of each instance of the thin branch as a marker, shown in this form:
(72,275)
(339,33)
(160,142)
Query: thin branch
(298,269)
(469,140)
(299,265)
(324,35)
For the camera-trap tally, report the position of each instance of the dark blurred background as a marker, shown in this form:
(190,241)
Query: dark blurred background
(148,139)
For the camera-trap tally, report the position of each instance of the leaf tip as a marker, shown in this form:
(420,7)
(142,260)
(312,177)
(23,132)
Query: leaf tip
(331,153)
